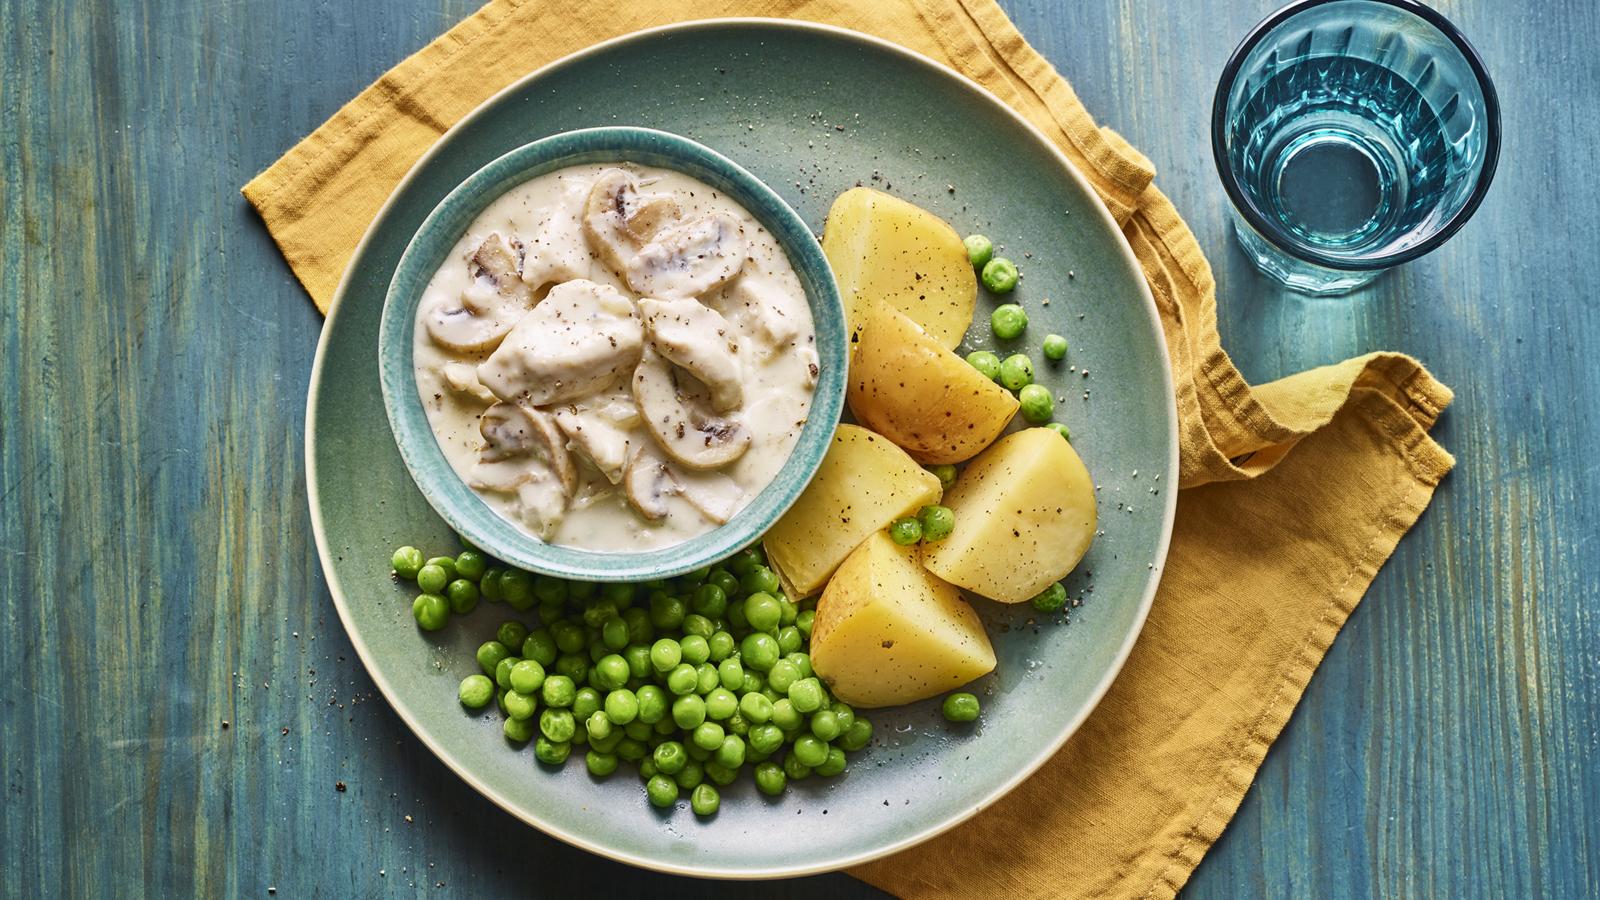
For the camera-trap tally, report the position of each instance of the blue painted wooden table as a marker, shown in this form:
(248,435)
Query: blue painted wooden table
(182,714)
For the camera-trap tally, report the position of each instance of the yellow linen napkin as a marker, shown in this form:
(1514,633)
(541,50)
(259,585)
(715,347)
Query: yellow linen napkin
(1295,491)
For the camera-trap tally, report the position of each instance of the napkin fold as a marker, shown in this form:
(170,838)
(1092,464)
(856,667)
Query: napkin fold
(1295,492)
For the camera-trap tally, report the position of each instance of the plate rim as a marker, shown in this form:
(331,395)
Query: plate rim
(1096,695)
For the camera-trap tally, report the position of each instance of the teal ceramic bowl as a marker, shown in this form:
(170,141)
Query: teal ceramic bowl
(812,111)
(463,509)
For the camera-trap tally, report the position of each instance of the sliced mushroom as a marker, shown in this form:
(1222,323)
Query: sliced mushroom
(462,378)
(581,339)
(699,340)
(519,442)
(490,306)
(677,412)
(689,258)
(618,218)
(649,483)
(597,439)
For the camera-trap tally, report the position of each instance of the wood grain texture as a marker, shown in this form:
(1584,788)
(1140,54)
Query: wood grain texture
(157,577)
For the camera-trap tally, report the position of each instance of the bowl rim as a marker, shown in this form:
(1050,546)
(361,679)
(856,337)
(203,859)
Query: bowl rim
(1068,728)
(430,246)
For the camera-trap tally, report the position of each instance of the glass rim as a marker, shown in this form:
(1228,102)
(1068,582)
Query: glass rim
(1264,227)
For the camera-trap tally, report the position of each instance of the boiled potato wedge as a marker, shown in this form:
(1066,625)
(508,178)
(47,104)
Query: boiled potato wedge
(882,248)
(865,482)
(887,632)
(931,402)
(1025,514)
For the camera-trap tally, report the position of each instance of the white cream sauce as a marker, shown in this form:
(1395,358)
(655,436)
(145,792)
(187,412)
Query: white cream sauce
(550,318)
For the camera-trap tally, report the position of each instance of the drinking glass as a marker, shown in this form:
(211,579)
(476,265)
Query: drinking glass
(1352,136)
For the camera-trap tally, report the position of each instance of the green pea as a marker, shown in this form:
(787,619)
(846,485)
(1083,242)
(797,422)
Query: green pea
(526,676)
(770,779)
(808,617)
(520,706)
(746,561)
(406,562)
(802,662)
(638,658)
(471,565)
(857,735)
(794,769)
(662,791)
(652,704)
(463,596)
(558,724)
(704,800)
(1055,347)
(1051,599)
(581,590)
(698,754)
(937,522)
(489,584)
(573,666)
(708,735)
(502,671)
(945,472)
(759,651)
(431,611)
(979,249)
(785,716)
(707,679)
(551,753)
(721,775)
(844,714)
(807,696)
(511,633)
(608,742)
(516,586)
(721,646)
(698,625)
(1060,429)
(683,680)
(905,531)
(720,704)
(600,765)
(640,628)
(612,672)
(724,579)
(736,724)
(558,691)
(762,611)
(755,708)
(614,633)
(432,579)
(765,737)
(632,749)
(667,611)
(691,775)
(548,590)
(783,675)
(599,725)
(1037,405)
(961,707)
(519,730)
(1016,372)
(586,702)
(666,654)
(476,691)
(735,619)
(825,725)
(788,611)
(489,655)
(985,362)
(760,580)
(447,563)
(834,764)
(669,757)
(753,682)
(623,706)
(710,600)
(540,647)
(999,275)
(731,673)
(638,731)
(688,711)
(731,752)
(695,649)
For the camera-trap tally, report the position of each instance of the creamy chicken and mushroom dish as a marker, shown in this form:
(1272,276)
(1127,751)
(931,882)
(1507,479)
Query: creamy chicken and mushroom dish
(616,357)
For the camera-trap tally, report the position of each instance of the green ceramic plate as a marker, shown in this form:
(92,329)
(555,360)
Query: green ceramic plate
(811,111)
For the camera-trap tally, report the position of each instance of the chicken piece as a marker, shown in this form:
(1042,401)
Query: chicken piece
(556,251)
(581,339)
(749,301)
(699,340)
(462,378)
(596,438)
